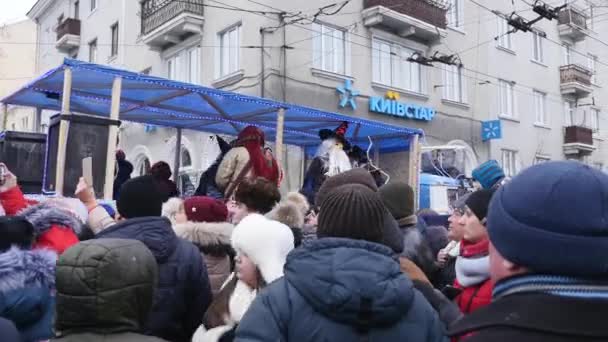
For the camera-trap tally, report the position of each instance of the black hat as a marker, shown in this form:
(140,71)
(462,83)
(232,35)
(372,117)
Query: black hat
(479,201)
(140,197)
(15,230)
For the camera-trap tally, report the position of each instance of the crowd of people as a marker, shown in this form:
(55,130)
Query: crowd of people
(347,258)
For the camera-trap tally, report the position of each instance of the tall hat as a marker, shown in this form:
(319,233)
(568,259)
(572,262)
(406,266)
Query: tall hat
(339,134)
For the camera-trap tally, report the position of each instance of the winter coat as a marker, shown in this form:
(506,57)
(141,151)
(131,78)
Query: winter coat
(213,241)
(313,179)
(27,279)
(207,185)
(341,290)
(231,167)
(54,228)
(415,246)
(125,168)
(532,317)
(9,331)
(183,293)
(102,295)
(473,276)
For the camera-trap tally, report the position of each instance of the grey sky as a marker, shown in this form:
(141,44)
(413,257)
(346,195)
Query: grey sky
(14,9)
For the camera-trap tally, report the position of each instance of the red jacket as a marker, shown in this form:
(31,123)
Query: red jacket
(475,296)
(54,228)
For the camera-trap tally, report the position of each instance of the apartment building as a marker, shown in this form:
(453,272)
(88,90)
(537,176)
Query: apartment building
(520,98)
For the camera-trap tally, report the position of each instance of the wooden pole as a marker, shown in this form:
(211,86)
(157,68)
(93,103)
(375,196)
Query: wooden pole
(414,168)
(64,126)
(108,190)
(178,155)
(279,138)
(4,116)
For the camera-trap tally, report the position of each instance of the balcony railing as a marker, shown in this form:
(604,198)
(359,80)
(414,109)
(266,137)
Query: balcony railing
(68,26)
(155,13)
(430,11)
(578,135)
(575,73)
(569,16)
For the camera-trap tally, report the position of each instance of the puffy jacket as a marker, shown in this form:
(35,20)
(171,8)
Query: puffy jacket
(27,278)
(213,241)
(341,290)
(183,293)
(105,290)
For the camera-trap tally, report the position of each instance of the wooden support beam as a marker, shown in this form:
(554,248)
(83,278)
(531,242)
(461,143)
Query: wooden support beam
(178,155)
(279,138)
(112,135)
(414,168)
(63,131)
(4,116)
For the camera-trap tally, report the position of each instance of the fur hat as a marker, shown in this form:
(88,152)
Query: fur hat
(171,208)
(265,242)
(46,214)
(299,201)
(288,214)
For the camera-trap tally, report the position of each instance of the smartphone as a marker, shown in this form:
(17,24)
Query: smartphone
(87,170)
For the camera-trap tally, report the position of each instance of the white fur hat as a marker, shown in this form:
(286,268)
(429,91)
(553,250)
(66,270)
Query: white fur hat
(265,242)
(171,207)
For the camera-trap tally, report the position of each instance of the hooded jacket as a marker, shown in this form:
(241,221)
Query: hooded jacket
(105,290)
(213,241)
(183,292)
(27,278)
(341,290)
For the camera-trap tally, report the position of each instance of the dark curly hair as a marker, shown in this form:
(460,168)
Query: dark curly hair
(259,195)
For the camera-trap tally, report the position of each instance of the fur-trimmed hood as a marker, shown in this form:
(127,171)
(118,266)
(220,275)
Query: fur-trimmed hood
(210,238)
(288,213)
(26,268)
(44,215)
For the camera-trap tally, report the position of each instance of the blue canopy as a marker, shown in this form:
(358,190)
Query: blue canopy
(158,101)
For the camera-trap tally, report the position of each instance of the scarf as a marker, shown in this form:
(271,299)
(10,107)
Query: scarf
(240,300)
(473,264)
(553,285)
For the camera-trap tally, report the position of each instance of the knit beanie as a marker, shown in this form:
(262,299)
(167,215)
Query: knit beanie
(488,174)
(552,218)
(139,197)
(479,201)
(265,242)
(352,211)
(355,176)
(205,209)
(15,230)
(398,197)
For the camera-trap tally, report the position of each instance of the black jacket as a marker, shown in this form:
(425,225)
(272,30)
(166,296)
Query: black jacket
(534,317)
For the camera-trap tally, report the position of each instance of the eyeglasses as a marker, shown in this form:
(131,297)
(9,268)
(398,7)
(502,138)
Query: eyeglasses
(456,211)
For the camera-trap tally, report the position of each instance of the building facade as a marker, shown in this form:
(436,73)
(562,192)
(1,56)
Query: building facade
(539,95)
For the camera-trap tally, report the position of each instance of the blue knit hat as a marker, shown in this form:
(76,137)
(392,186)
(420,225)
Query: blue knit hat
(553,218)
(488,174)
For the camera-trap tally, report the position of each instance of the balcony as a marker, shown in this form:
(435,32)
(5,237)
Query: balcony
(423,20)
(68,34)
(572,24)
(578,141)
(168,22)
(575,80)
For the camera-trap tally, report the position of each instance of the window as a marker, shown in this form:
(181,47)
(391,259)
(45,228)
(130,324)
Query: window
(504,38)
(591,64)
(540,160)
(540,100)
(25,123)
(595,119)
(509,162)
(331,49)
(93,5)
(229,52)
(390,66)
(185,66)
(143,166)
(114,29)
(93,51)
(569,109)
(77,9)
(456,13)
(507,101)
(185,159)
(538,47)
(454,84)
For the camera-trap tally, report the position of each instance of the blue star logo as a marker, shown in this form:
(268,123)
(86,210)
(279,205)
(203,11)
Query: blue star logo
(348,94)
(491,130)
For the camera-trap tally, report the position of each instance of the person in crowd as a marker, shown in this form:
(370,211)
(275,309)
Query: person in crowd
(489,175)
(124,168)
(161,171)
(207,229)
(207,185)
(398,197)
(9,331)
(345,286)
(27,280)
(57,222)
(183,292)
(446,257)
(262,246)
(100,216)
(392,235)
(175,211)
(473,263)
(246,161)
(105,291)
(291,212)
(331,159)
(548,242)
(253,196)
